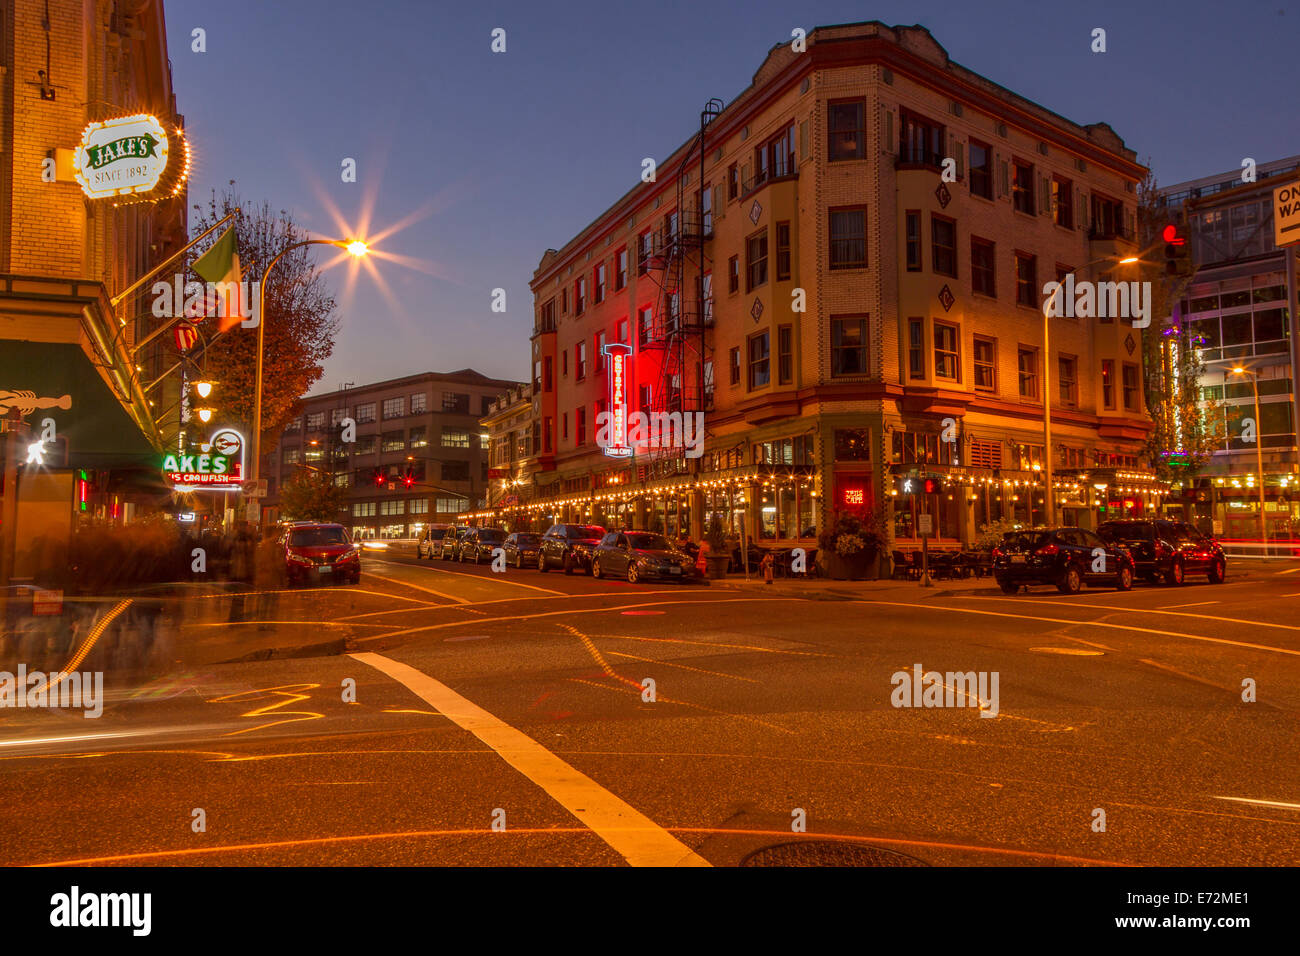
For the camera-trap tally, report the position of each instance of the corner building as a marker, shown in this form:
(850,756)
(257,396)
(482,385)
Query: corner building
(842,314)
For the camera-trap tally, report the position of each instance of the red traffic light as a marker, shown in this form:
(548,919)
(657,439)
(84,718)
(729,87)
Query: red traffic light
(1171,236)
(931,486)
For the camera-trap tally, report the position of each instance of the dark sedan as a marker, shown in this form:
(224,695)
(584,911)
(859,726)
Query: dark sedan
(522,547)
(1167,550)
(452,541)
(641,554)
(480,543)
(1066,557)
(569,546)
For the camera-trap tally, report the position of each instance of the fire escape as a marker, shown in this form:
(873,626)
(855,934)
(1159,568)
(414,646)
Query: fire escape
(679,264)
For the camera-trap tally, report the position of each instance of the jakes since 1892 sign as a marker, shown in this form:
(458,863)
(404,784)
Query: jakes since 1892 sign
(123,156)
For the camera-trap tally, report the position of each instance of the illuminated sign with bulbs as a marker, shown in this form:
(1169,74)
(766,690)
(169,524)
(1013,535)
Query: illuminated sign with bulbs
(617,354)
(219,466)
(131,159)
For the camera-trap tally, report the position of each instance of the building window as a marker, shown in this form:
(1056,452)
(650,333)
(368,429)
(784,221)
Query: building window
(455,402)
(419,403)
(1108,384)
(580,360)
(455,438)
(548,317)
(599,292)
(704,200)
(848,239)
(943,246)
(564,426)
(782,251)
(1022,187)
(645,325)
(393,441)
(392,507)
(337,415)
(1062,202)
(986,374)
(548,374)
(706,297)
(756,260)
(451,505)
(291,456)
(455,471)
(643,253)
(620,269)
(1131,387)
(915,348)
(418,437)
(580,296)
(643,397)
(947,357)
(785,354)
(733,274)
(599,351)
(418,506)
(913,217)
(1026,280)
(394,407)
(363,509)
(1107,218)
(983,267)
(365,413)
(846,132)
(849,346)
(981,169)
(296,425)
(759,360)
(342,480)
(580,424)
(920,140)
(620,331)
(733,182)
(564,363)
(1067,378)
(366,444)
(1027,363)
(547,429)
(735,365)
(316,421)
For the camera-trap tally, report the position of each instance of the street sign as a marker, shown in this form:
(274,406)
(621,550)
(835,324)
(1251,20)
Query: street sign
(255,489)
(47,602)
(925,525)
(1286,213)
(254,513)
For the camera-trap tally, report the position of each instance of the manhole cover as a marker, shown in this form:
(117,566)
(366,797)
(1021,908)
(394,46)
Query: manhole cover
(828,853)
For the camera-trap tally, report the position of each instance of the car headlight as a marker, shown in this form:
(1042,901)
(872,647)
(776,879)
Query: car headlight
(299,559)
(352,555)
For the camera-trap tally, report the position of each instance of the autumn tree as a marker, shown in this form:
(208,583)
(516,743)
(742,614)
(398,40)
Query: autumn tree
(1186,428)
(300,319)
(311,495)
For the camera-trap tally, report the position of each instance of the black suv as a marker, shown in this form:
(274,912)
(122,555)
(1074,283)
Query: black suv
(1167,550)
(480,543)
(569,546)
(1066,557)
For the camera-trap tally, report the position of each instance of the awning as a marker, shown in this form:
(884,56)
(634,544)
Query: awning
(57,381)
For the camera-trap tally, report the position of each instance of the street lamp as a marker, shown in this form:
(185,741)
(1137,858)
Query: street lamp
(1049,501)
(204,388)
(354,247)
(1259,452)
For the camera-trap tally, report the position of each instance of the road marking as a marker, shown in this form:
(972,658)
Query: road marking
(1118,627)
(496,579)
(1168,607)
(1070,651)
(511,600)
(1132,610)
(634,836)
(1287,571)
(685,667)
(1263,803)
(407,584)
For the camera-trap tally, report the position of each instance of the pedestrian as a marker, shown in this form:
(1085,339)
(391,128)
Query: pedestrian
(702,558)
(766,565)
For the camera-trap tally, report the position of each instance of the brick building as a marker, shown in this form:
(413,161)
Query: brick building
(418,457)
(804,275)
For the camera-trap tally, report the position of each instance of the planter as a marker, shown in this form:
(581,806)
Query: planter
(863,566)
(716,566)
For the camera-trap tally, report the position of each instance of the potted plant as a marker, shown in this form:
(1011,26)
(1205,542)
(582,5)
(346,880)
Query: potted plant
(717,558)
(852,548)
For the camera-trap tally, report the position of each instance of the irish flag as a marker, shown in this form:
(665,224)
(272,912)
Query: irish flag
(219,267)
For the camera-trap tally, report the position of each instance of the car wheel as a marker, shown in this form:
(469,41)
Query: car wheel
(568,564)
(631,572)
(1008,587)
(1218,571)
(476,555)
(595,568)
(541,562)
(519,560)
(1124,580)
(1175,575)
(1071,581)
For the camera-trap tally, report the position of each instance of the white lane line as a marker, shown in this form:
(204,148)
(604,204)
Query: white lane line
(631,834)
(1137,610)
(498,579)
(450,597)
(1168,607)
(1287,571)
(1263,803)
(1060,620)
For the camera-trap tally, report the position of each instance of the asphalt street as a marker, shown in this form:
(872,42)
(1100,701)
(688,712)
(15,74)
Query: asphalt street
(523,718)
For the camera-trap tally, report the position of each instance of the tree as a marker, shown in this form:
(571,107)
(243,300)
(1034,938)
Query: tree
(1187,429)
(301,324)
(311,495)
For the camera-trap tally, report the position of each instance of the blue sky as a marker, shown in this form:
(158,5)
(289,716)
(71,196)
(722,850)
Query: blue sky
(500,156)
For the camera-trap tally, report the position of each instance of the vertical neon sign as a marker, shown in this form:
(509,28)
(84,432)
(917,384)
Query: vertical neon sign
(617,354)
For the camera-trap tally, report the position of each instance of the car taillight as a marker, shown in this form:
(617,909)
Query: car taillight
(1047,550)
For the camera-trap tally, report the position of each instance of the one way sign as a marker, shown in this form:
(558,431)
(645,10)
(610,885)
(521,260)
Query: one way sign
(1286,213)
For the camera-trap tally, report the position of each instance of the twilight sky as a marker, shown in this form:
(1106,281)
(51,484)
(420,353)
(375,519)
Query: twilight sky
(493,158)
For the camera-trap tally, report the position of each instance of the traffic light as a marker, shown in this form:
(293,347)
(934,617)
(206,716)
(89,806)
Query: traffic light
(1176,259)
(379,478)
(408,479)
(84,488)
(919,486)
(932,486)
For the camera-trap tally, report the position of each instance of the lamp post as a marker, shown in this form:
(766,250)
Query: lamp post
(1049,504)
(1259,452)
(354,247)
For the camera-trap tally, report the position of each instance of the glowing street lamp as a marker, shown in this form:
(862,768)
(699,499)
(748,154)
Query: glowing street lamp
(203,388)
(205,414)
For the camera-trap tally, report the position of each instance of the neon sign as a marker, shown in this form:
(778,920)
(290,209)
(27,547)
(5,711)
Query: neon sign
(616,354)
(219,466)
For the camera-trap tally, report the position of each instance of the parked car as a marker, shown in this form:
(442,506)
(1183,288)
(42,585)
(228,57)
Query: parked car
(319,552)
(522,547)
(452,541)
(641,554)
(480,543)
(1066,557)
(430,542)
(1167,550)
(569,546)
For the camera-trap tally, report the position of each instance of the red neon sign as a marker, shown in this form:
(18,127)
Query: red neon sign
(617,354)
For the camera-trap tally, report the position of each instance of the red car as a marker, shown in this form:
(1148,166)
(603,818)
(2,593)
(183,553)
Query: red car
(320,552)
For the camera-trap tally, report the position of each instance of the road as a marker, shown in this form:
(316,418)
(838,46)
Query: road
(509,719)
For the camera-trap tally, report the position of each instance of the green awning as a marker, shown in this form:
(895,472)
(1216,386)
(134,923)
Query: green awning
(56,380)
